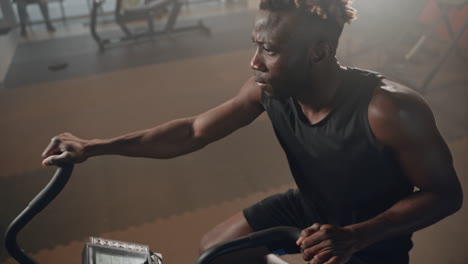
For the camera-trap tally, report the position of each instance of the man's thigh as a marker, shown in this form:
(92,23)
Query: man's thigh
(284,209)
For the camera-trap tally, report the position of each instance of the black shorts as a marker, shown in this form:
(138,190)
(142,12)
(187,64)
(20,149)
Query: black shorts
(291,209)
(284,209)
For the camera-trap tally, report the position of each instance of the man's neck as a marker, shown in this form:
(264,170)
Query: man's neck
(317,102)
(322,95)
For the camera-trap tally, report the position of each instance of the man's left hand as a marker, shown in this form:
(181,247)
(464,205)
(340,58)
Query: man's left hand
(327,244)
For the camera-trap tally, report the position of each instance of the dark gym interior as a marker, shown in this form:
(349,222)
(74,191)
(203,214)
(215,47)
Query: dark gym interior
(64,81)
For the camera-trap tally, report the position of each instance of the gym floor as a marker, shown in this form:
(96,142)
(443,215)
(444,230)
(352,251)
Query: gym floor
(169,204)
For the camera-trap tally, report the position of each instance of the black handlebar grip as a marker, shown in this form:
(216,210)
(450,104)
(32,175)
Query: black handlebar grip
(274,238)
(53,188)
(283,237)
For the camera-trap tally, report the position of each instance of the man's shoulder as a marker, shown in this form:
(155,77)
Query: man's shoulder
(391,98)
(396,110)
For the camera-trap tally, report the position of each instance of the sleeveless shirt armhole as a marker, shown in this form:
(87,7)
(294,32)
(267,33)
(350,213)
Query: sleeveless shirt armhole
(373,84)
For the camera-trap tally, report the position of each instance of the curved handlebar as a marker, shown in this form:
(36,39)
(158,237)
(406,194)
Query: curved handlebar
(283,237)
(274,238)
(53,188)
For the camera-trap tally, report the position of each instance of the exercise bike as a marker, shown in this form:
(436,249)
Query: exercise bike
(103,251)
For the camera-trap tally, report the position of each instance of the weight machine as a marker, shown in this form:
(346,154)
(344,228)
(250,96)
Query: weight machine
(147,11)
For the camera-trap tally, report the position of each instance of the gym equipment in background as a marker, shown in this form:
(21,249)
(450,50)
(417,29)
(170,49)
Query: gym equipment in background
(147,11)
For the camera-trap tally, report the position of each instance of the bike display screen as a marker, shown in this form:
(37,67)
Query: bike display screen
(106,251)
(113,256)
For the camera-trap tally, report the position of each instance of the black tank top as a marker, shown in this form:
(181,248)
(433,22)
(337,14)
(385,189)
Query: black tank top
(338,165)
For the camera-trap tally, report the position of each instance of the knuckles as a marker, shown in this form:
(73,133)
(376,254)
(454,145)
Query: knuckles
(328,244)
(317,259)
(327,231)
(61,137)
(64,143)
(332,246)
(306,255)
(69,147)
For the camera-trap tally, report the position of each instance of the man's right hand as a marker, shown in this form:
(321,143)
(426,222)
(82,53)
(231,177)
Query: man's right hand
(64,148)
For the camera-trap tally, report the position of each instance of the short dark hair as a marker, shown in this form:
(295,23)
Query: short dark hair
(333,13)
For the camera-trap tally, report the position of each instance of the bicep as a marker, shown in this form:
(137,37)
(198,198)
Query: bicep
(405,123)
(233,114)
(427,162)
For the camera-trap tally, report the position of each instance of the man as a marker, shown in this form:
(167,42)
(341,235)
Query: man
(23,14)
(357,144)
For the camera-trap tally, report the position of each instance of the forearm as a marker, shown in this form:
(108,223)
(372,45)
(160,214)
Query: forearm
(415,212)
(168,140)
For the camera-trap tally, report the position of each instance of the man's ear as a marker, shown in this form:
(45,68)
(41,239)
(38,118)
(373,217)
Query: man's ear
(320,51)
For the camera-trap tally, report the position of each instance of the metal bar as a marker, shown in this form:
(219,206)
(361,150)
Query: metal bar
(431,75)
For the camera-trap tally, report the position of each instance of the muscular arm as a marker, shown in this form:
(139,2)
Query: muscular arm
(168,140)
(402,120)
